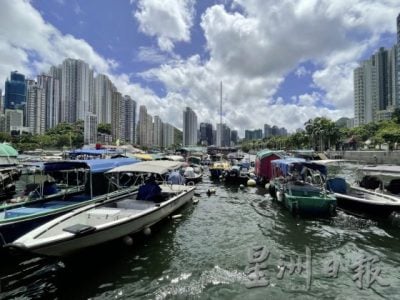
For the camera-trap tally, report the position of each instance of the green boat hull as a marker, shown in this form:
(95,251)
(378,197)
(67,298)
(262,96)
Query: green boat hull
(306,200)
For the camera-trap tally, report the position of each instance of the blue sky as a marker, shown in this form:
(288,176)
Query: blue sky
(281,62)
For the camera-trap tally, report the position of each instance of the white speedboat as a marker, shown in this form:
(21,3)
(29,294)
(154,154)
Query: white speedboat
(112,219)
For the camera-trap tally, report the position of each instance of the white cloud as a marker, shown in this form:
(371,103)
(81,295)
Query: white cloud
(30,45)
(168,20)
(251,49)
(301,71)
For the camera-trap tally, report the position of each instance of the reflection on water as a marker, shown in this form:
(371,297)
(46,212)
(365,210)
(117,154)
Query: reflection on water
(204,255)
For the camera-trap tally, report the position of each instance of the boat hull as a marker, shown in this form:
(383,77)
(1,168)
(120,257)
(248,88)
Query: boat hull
(69,246)
(303,201)
(360,206)
(11,229)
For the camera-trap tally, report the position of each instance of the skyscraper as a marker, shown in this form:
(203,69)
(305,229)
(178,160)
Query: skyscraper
(51,88)
(206,134)
(398,29)
(35,108)
(15,91)
(118,117)
(1,102)
(104,89)
(189,127)
(157,131)
(377,84)
(167,135)
(130,119)
(76,90)
(145,127)
(234,137)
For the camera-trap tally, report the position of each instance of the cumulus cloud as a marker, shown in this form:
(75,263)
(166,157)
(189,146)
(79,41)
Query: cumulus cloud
(168,20)
(251,46)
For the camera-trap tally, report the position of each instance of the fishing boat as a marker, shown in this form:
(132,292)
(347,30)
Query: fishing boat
(218,169)
(73,184)
(374,194)
(239,174)
(299,186)
(193,173)
(112,219)
(263,169)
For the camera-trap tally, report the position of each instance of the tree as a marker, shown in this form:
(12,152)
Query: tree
(104,128)
(396,116)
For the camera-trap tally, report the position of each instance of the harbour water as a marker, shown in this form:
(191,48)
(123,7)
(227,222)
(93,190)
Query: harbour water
(205,255)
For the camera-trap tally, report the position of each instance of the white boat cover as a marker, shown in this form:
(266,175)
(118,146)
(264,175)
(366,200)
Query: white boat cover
(152,166)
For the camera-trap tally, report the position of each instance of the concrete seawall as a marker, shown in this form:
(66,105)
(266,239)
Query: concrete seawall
(379,157)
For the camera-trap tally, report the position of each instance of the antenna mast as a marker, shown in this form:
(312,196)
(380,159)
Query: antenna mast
(220,106)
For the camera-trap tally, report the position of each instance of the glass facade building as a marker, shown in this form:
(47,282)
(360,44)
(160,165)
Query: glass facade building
(15,91)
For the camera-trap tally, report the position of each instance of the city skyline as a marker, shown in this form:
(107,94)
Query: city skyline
(179,61)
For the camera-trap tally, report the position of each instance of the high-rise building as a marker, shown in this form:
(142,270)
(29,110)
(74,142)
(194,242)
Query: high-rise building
(234,137)
(14,119)
(104,89)
(267,131)
(15,91)
(130,120)
(76,90)
(90,130)
(1,102)
(51,88)
(118,117)
(398,29)
(189,127)
(206,134)
(167,135)
(35,108)
(157,131)
(255,134)
(223,135)
(145,128)
(377,85)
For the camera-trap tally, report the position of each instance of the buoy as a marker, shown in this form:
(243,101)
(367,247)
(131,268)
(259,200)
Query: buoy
(195,200)
(251,182)
(127,240)
(147,231)
(176,216)
(241,186)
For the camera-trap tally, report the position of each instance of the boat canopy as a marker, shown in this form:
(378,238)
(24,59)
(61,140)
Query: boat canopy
(266,152)
(286,165)
(154,166)
(93,165)
(94,152)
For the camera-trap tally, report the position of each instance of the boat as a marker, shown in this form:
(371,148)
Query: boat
(299,185)
(112,219)
(8,176)
(9,171)
(375,194)
(73,184)
(193,173)
(218,169)
(239,174)
(263,169)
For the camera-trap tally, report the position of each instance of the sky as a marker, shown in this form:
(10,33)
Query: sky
(280,62)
